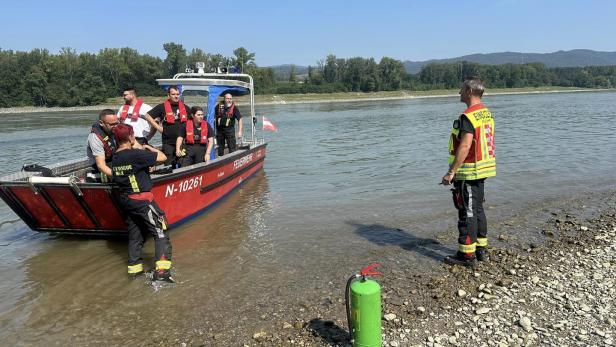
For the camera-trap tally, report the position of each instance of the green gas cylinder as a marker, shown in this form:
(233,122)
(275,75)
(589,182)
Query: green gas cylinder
(366,313)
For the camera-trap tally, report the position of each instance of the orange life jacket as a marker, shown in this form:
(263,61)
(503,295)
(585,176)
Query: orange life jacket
(135,114)
(190,133)
(169,118)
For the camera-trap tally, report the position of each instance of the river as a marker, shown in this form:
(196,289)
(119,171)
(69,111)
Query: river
(343,185)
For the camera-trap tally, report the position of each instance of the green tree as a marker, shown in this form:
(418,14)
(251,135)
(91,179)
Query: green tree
(391,72)
(330,69)
(244,59)
(36,85)
(176,59)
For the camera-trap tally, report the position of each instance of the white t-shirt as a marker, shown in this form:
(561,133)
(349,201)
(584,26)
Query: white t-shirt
(140,126)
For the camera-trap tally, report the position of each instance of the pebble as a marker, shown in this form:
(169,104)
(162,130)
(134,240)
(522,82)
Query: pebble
(483,310)
(389,317)
(394,344)
(461,293)
(525,324)
(260,335)
(421,309)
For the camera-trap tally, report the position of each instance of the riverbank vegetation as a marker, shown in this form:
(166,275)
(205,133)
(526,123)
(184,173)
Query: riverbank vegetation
(40,78)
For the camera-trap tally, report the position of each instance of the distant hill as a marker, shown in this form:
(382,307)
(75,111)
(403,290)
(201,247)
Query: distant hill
(282,72)
(573,58)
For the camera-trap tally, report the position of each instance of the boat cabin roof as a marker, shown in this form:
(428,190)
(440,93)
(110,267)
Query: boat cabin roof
(236,84)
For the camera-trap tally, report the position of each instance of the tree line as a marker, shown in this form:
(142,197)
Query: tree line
(68,78)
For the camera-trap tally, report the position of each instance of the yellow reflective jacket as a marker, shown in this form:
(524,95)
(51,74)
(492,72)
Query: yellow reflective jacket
(481,160)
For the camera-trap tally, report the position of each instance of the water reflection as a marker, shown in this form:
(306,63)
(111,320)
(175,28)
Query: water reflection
(75,282)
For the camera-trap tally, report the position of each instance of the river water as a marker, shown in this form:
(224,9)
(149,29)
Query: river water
(342,183)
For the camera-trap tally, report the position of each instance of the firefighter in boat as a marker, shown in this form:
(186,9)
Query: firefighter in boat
(471,161)
(131,164)
(168,118)
(196,139)
(101,146)
(225,116)
(133,113)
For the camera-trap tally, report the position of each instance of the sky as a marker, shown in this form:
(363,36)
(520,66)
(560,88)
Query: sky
(304,32)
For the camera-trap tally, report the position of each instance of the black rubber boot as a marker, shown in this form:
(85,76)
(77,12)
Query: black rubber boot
(482,254)
(163,275)
(460,259)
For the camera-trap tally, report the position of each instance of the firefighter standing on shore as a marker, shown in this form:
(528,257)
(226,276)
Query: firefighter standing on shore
(471,161)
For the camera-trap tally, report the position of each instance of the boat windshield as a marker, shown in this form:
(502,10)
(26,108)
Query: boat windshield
(196,98)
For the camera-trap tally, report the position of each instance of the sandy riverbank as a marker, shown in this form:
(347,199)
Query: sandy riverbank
(557,290)
(288,99)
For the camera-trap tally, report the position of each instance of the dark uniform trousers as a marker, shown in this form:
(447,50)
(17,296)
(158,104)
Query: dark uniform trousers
(169,151)
(226,134)
(144,217)
(194,154)
(472,224)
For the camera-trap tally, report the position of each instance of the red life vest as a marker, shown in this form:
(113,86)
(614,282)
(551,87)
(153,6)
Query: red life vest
(190,133)
(220,113)
(135,114)
(108,142)
(230,110)
(169,118)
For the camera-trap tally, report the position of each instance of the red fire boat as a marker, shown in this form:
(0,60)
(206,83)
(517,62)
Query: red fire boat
(57,198)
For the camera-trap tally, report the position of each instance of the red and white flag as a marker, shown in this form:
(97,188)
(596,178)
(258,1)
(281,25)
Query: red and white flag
(269,125)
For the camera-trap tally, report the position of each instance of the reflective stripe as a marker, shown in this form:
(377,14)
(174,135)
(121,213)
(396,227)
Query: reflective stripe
(133,183)
(480,165)
(467,248)
(133,269)
(482,242)
(163,265)
(163,226)
(474,175)
(469,203)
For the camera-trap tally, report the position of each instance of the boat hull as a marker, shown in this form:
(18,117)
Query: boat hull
(92,209)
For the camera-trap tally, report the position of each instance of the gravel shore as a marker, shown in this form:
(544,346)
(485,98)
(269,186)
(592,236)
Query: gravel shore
(556,292)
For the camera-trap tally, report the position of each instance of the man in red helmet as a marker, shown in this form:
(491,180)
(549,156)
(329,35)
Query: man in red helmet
(131,163)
